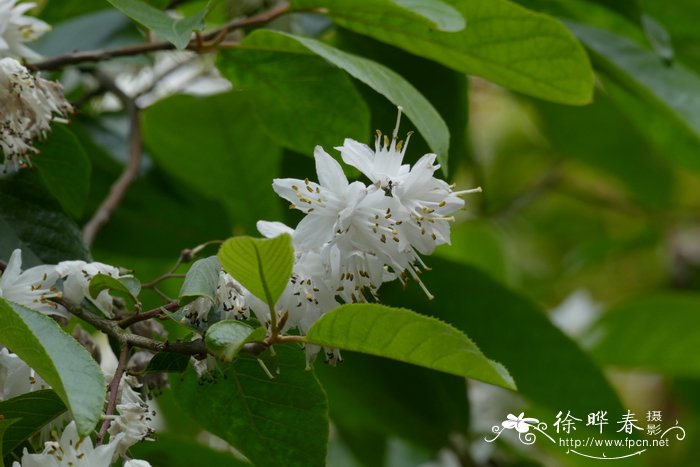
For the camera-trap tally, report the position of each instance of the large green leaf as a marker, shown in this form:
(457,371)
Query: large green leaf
(274,422)
(31,412)
(32,221)
(201,280)
(176,450)
(392,86)
(65,169)
(5,425)
(263,266)
(674,89)
(58,358)
(177,31)
(657,333)
(406,336)
(392,400)
(302,100)
(544,362)
(503,42)
(212,145)
(618,149)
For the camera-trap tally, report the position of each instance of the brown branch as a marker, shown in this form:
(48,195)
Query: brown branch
(114,391)
(155,313)
(131,171)
(198,44)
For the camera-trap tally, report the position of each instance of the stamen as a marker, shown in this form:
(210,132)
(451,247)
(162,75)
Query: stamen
(398,122)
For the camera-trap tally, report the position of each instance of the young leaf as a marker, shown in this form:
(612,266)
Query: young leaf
(503,42)
(263,266)
(201,280)
(406,336)
(30,219)
(387,83)
(670,349)
(65,169)
(226,338)
(287,83)
(128,286)
(176,31)
(442,15)
(31,411)
(274,422)
(58,358)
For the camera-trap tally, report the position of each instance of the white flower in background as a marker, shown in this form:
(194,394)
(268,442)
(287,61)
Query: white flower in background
(16,28)
(76,277)
(29,104)
(33,288)
(136,463)
(71,451)
(16,377)
(172,72)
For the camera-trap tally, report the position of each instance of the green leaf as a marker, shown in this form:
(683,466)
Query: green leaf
(5,425)
(226,338)
(657,333)
(406,336)
(300,99)
(58,358)
(219,130)
(443,16)
(263,266)
(642,71)
(32,221)
(509,328)
(503,42)
(176,31)
(389,84)
(273,422)
(392,400)
(201,280)
(176,450)
(65,169)
(31,411)
(167,362)
(128,286)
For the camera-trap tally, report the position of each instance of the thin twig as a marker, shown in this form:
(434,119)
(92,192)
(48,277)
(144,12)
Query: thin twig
(131,171)
(114,391)
(199,44)
(155,313)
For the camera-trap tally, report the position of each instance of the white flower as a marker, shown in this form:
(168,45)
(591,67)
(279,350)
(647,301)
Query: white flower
(16,377)
(426,201)
(71,451)
(16,28)
(136,463)
(133,421)
(76,277)
(521,425)
(230,298)
(29,104)
(32,288)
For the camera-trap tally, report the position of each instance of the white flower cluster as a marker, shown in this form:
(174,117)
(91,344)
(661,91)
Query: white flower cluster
(37,286)
(354,236)
(72,451)
(131,425)
(29,105)
(16,29)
